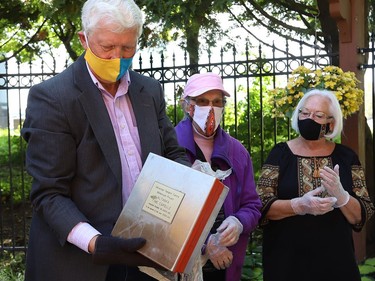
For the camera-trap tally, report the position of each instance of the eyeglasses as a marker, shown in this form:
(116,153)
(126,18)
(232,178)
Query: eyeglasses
(206,102)
(318,115)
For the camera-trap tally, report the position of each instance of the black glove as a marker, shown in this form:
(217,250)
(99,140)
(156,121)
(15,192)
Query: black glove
(114,250)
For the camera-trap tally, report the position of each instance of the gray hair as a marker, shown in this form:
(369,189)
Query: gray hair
(334,110)
(124,14)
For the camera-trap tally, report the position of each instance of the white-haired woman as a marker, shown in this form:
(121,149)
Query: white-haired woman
(314,194)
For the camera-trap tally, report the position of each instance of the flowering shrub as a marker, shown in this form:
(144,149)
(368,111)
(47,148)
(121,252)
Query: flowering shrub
(333,78)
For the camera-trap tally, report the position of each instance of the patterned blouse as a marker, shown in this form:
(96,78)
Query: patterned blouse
(293,243)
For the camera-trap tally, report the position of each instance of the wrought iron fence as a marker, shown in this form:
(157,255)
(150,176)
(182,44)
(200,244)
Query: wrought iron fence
(247,73)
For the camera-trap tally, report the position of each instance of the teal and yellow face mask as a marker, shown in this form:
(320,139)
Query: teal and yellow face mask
(110,70)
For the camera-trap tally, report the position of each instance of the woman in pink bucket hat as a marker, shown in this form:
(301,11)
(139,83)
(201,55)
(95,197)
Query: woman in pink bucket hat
(203,101)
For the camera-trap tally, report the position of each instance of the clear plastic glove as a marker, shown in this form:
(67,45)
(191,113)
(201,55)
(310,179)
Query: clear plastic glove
(159,274)
(310,203)
(331,182)
(220,256)
(229,231)
(197,273)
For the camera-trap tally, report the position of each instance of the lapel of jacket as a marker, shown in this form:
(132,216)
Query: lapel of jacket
(144,111)
(98,117)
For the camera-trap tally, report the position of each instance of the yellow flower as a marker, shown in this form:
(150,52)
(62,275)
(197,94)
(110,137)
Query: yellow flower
(330,84)
(343,84)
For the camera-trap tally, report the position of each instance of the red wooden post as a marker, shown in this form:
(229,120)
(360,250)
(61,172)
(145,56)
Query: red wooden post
(351,21)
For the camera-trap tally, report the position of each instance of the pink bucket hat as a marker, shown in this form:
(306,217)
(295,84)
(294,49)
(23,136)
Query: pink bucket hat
(198,84)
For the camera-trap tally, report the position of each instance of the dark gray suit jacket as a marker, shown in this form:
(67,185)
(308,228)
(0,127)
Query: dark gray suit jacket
(73,157)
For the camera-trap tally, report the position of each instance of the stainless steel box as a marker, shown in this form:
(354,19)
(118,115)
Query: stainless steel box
(173,207)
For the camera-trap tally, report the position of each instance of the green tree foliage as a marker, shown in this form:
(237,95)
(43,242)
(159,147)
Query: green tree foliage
(30,27)
(33,27)
(252,123)
(292,20)
(13,177)
(188,21)
(296,21)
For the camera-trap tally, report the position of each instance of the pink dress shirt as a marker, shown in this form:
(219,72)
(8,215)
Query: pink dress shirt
(125,127)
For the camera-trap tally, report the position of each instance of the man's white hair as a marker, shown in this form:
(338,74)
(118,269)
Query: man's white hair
(121,14)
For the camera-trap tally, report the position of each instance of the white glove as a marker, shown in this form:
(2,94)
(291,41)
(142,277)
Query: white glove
(309,203)
(331,182)
(219,255)
(229,231)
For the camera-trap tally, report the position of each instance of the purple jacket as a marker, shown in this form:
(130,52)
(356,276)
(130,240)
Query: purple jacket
(242,201)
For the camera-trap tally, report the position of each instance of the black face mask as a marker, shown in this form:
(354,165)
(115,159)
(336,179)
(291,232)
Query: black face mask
(311,130)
